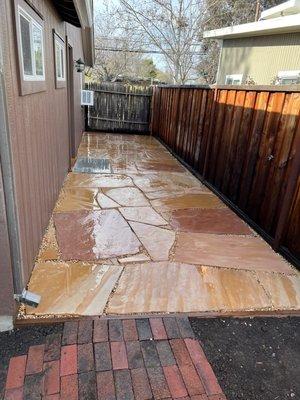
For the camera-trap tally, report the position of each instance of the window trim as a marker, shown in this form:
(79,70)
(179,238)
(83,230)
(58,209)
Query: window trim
(36,83)
(32,23)
(60,82)
(234,77)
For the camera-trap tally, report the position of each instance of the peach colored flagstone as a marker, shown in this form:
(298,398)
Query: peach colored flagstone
(72,288)
(97,180)
(77,199)
(284,290)
(209,221)
(172,166)
(127,196)
(228,251)
(201,200)
(157,241)
(90,236)
(49,248)
(134,259)
(142,214)
(106,202)
(175,287)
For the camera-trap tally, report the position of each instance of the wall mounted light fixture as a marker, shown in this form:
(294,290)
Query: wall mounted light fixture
(79,65)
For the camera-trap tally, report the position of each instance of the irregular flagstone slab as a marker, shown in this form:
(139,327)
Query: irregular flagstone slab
(134,259)
(90,236)
(49,248)
(157,241)
(284,290)
(77,199)
(97,180)
(167,182)
(72,288)
(209,221)
(202,200)
(142,214)
(228,251)
(174,287)
(106,202)
(167,165)
(127,196)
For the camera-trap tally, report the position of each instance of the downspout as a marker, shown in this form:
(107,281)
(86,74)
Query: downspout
(8,184)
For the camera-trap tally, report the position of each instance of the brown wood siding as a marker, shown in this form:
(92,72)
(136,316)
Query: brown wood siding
(38,125)
(246,144)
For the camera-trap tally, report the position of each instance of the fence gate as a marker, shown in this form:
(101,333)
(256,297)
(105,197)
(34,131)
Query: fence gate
(119,108)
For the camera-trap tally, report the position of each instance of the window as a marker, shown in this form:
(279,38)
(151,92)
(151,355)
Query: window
(32,48)
(235,79)
(288,77)
(60,61)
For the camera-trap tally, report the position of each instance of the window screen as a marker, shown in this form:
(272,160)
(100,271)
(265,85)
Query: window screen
(26,45)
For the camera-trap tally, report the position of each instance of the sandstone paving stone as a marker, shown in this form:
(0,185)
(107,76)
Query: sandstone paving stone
(284,290)
(75,199)
(127,196)
(105,202)
(228,251)
(134,259)
(201,200)
(95,235)
(145,215)
(97,180)
(209,220)
(157,241)
(176,287)
(72,288)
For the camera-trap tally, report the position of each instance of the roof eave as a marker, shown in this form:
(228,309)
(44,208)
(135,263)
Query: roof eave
(289,24)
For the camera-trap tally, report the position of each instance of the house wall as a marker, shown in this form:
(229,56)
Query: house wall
(38,128)
(260,57)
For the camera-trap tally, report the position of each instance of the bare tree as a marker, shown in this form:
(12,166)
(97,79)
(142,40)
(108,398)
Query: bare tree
(171,27)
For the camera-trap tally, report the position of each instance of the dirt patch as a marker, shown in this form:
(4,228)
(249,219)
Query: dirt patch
(17,342)
(253,358)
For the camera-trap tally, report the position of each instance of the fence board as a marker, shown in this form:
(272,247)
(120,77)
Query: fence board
(245,143)
(119,108)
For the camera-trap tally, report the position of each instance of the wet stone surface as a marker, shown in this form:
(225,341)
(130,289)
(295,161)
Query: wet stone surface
(168,244)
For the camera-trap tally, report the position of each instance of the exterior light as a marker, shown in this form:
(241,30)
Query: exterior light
(79,65)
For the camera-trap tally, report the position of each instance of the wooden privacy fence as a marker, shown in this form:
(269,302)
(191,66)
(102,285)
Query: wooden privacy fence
(119,108)
(244,142)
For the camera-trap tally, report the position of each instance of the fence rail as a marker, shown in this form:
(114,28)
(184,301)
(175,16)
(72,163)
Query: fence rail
(119,108)
(245,144)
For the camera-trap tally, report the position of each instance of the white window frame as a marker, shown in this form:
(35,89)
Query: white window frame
(291,74)
(234,77)
(32,22)
(60,44)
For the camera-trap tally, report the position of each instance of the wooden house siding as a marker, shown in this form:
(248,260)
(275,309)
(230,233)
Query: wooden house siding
(38,129)
(259,57)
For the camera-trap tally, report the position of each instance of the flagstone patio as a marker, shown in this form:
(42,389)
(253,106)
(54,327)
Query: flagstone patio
(150,238)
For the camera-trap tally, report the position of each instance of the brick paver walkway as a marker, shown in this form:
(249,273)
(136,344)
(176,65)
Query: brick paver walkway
(156,358)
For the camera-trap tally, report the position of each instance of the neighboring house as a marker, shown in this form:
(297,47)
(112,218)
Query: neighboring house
(42,46)
(264,52)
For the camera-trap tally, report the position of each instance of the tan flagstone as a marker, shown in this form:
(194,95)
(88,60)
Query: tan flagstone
(49,248)
(157,241)
(106,202)
(77,199)
(97,180)
(127,196)
(72,288)
(142,214)
(160,166)
(209,220)
(284,290)
(202,200)
(95,235)
(228,251)
(134,259)
(174,287)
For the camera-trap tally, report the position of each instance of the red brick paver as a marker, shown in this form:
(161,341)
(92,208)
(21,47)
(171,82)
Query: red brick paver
(144,359)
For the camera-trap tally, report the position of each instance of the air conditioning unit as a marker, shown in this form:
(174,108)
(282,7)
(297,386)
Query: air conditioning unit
(87,98)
